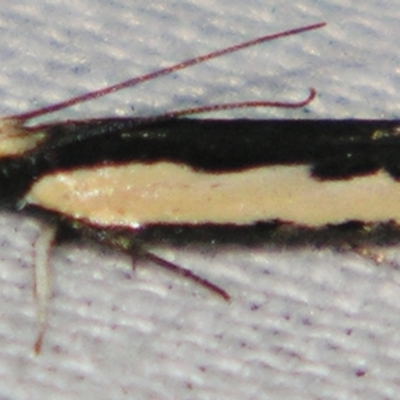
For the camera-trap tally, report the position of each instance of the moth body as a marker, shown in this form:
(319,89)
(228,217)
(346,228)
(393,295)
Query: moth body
(132,174)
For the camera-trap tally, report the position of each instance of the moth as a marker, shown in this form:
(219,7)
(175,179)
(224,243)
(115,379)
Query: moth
(127,182)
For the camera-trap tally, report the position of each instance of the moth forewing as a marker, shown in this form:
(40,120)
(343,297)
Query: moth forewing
(90,173)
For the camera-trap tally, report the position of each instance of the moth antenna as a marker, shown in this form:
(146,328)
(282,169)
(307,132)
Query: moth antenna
(185,273)
(206,109)
(231,106)
(162,72)
(42,289)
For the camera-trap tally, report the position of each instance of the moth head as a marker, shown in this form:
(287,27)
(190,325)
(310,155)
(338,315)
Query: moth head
(16,139)
(16,165)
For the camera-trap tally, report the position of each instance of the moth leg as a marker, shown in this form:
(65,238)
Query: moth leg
(42,279)
(146,255)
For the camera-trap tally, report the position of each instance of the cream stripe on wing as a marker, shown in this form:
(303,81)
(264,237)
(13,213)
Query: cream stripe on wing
(138,194)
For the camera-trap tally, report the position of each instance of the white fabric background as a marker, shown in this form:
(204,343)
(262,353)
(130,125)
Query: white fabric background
(302,324)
